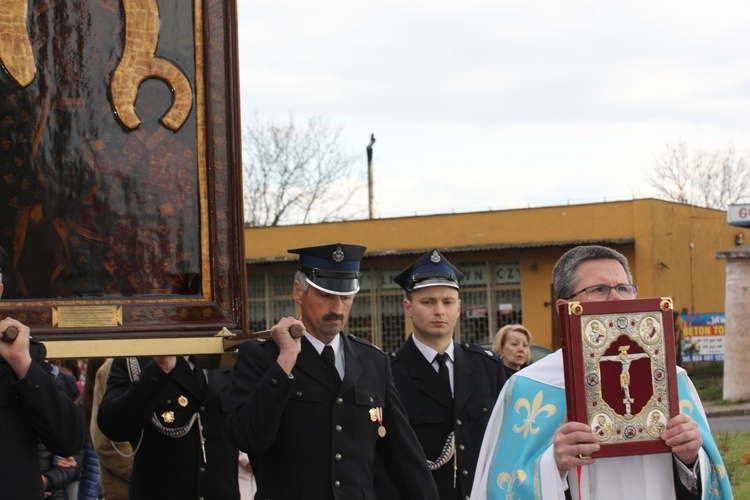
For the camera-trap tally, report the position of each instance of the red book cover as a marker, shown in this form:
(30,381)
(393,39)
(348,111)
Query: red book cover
(620,374)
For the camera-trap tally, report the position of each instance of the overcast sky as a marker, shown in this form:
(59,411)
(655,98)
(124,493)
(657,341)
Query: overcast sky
(479,104)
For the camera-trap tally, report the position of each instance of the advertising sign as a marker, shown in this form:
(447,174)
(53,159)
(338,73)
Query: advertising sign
(739,215)
(702,337)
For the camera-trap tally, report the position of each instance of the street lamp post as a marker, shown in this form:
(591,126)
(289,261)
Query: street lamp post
(369,175)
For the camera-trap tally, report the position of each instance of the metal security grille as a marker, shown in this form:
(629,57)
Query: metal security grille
(256,315)
(392,322)
(490,296)
(281,309)
(508,300)
(256,286)
(282,304)
(282,284)
(360,317)
(269,299)
(256,303)
(474,324)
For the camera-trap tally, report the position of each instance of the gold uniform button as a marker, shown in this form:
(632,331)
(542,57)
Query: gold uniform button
(339,401)
(338,428)
(338,457)
(461,447)
(337,484)
(458,421)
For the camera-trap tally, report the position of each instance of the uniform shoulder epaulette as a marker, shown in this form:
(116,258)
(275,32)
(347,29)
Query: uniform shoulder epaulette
(362,341)
(478,349)
(262,343)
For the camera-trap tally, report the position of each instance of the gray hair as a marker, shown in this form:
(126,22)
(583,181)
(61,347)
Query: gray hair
(564,277)
(301,278)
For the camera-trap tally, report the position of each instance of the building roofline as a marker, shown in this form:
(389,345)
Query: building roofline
(469,248)
(444,213)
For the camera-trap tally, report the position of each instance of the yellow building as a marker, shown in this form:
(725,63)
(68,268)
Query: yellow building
(507,258)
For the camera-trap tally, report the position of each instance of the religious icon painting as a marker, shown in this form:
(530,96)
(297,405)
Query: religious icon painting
(120,167)
(620,373)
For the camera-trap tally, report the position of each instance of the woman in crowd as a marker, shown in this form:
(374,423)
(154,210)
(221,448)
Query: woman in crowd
(512,345)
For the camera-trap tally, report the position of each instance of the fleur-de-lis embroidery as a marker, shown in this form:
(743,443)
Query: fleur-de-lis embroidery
(714,490)
(719,470)
(533,412)
(717,474)
(505,478)
(686,406)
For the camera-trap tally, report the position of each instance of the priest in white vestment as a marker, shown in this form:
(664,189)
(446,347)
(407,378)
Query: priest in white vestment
(531,451)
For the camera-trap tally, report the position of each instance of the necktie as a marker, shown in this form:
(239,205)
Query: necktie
(442,360)
(330,359)
(200,378)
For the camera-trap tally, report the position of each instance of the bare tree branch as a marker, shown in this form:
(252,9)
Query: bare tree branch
(298,174)
(712,179)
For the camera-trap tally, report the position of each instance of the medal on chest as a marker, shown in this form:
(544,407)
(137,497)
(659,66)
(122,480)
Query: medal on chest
(376,415)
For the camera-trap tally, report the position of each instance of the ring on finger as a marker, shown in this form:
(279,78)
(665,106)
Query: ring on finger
(582,456)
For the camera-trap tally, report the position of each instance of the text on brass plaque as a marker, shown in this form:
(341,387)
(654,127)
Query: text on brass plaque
(86,316)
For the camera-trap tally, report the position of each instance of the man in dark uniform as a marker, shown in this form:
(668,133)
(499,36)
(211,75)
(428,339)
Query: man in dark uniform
(449,389)
(31,408)
(311,420)
(174,415)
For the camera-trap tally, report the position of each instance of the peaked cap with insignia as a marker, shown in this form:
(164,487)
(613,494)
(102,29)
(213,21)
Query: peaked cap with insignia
(331,268)
(431,269)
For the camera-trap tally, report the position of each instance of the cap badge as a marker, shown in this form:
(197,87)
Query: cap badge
(435,257)
(338,255)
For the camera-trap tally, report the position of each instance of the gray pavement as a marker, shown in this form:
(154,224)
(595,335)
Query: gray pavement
(728,417)
(719,409)
(721,425)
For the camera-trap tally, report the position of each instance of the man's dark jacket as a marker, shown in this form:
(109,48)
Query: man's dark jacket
(32,409)
(167,467)
(478,377)
(59,477)
(308,439)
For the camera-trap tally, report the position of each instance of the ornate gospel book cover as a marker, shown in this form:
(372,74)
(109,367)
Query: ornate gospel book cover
(620,375)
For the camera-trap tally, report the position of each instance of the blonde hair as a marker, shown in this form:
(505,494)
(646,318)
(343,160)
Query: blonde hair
(502,335)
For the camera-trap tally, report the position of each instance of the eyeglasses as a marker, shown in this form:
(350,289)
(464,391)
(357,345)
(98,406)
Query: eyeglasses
(601,292)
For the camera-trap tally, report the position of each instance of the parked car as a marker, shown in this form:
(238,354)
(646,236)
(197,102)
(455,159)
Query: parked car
(537,351)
